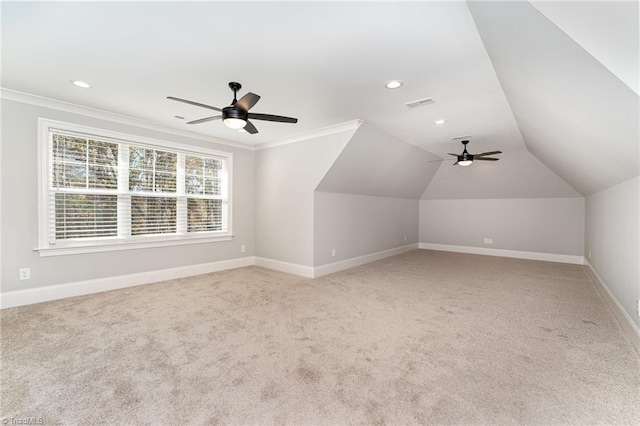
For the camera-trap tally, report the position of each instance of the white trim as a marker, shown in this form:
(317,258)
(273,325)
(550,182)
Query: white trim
(80,288)
(290,268)
(27,98)
(628,326)
(46,125)
(325,131)
(548,257)
(319,271)
(102,246)
(41,101)
(330,268)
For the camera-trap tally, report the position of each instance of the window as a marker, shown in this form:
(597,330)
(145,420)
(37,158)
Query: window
(103,191)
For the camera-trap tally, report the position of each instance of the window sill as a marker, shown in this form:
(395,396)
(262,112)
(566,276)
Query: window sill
(116,246)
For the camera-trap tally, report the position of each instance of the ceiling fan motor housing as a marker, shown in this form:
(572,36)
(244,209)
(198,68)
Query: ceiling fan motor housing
(465,156)
(233,112)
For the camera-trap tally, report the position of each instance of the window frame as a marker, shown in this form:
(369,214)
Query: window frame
(120,243)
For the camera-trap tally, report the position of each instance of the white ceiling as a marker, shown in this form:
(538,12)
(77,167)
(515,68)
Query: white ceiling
(561,82)
(368,165)
(608,30)
(323,63)
(518,174)
(574,114)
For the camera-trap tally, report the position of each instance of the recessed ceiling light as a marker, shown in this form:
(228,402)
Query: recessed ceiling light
(393,84)
(81,84)
(439,121)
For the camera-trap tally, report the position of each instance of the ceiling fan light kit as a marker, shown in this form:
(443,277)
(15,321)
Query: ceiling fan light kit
(236,116)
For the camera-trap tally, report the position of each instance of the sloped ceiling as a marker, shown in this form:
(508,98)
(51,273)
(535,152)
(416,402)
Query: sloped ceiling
(574,114)
(557,77)
(376,163)
(324,63)
(608,30)
(518,174)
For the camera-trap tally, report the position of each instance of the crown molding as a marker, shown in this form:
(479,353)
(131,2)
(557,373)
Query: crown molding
(27,98)
(325,131)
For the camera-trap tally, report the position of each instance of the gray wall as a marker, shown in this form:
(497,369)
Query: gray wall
(20,216)
(286,177)
(356,225)
(543,225)
(612,235)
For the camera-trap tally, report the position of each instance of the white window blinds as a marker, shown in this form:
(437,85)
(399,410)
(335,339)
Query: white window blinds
(83,195)
(206,188)
(102,190)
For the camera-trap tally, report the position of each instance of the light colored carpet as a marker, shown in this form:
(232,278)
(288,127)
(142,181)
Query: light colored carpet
(424,337)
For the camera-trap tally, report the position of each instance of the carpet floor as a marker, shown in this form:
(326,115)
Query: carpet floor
(426,337)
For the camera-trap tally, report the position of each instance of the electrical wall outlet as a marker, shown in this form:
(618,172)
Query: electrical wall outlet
(589,254)
(333,252)
(488,240)
(638,307)
(24,273)
(405,238)
(243,248)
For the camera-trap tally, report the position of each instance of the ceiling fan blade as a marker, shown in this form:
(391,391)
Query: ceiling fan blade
(248,101)
(269,117)
(204,120)
(485,159)
(250,128)
(455,164)
(437,161)
(488,153)
(194,103)
(455,155)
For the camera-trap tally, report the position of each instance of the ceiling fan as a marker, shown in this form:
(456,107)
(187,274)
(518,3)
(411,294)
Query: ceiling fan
(466,159)
(236,116)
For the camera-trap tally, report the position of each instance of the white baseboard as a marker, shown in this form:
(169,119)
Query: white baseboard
(30,296)
(630,328)
(290,268)
(361,260)
(531,255)
(318,271)
(80,288)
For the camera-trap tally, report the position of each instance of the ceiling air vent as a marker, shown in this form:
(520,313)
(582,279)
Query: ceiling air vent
(420,102)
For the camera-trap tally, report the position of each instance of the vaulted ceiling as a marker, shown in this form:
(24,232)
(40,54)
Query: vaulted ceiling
(575,114)
(558,81)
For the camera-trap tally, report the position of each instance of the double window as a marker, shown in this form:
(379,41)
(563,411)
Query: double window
(106,191)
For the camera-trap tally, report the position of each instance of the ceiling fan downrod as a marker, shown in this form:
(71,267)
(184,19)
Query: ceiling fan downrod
(235,87)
